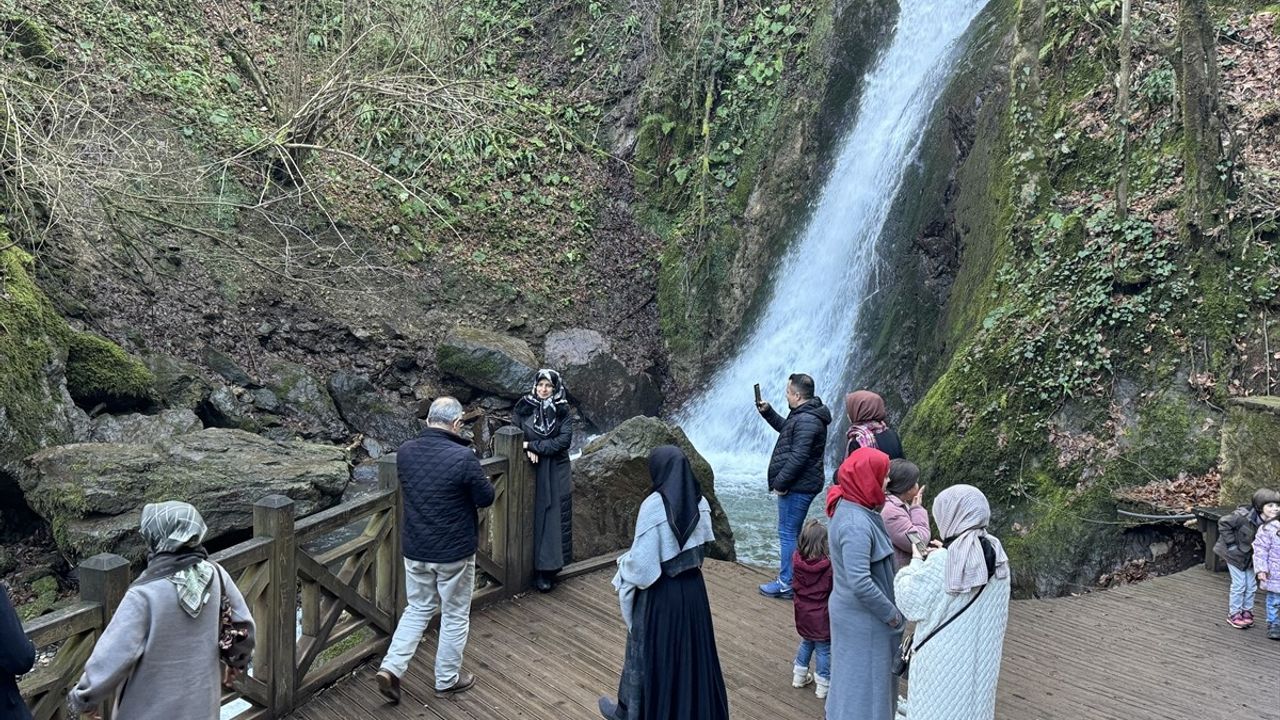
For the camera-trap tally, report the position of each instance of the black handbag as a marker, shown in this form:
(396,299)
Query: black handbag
(902,661)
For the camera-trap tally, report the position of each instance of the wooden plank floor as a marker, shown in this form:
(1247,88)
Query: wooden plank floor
(552,656)
(1155,650)
(1158,650)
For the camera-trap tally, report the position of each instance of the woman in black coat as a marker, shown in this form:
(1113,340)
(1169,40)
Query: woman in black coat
(543,416)
(17,655)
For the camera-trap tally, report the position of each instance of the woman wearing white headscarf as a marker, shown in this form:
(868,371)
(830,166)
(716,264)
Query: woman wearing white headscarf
(158,658)
(953,673)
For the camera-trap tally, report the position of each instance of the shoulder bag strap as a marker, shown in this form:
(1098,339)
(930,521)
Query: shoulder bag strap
(951,619)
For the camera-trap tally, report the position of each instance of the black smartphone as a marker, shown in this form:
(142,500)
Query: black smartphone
(758,398)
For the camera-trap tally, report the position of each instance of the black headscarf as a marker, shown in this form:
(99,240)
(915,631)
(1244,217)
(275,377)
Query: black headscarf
(673,479)
(546,414)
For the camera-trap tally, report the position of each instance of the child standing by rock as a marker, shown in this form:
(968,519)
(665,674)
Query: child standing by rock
(811,585)
(1266,561)
(1235,545)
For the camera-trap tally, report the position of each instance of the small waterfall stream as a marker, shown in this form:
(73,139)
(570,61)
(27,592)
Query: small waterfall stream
(828,275)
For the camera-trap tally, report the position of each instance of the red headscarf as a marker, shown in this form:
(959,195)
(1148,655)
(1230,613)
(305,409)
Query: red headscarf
(860,479)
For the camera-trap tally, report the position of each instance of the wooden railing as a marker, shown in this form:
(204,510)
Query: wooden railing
(320,611)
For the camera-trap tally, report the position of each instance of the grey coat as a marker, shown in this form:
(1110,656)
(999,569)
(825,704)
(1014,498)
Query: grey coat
(861,606)
(155,660)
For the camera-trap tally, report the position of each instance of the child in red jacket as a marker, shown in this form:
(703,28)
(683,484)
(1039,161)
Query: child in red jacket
(811,586)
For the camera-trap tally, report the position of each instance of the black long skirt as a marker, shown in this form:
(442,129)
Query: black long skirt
(672,670)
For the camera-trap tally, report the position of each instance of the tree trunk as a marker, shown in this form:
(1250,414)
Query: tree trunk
(1123,81)
(1204,193)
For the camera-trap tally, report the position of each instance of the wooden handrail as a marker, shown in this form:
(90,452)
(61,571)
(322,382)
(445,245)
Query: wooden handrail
(363,597)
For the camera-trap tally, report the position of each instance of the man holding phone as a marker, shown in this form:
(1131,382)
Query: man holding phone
(796,472)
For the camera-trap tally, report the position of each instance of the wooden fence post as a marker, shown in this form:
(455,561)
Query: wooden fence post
(104,579)
(275,659)
(518,554)
(390,571)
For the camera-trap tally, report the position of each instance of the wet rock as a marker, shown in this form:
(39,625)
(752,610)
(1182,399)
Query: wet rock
(143,429)
(487,361)
(265,400)
(605,391)
(222,364)
(225,409)
(305,401)
(178,383)
(611,479)
(366,411)
(92,493)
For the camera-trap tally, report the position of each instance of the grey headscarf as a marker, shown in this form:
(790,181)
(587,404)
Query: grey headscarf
(962,514)
(173,531)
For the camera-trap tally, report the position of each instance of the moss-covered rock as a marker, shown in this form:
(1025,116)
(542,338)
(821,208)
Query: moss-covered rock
(611,479)
(99,371)
(35,409)
(92,493)
(179,384)
(487,361)
(1250,448)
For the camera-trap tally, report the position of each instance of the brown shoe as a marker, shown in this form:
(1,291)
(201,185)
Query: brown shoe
(462,684)
(389,686)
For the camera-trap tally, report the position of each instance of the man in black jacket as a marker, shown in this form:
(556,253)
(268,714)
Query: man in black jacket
(795,469)
(443,485)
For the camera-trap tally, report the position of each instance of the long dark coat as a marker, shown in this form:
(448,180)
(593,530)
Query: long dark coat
(553,490)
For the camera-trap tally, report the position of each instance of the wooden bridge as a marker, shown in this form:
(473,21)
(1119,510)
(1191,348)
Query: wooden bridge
(1156,650)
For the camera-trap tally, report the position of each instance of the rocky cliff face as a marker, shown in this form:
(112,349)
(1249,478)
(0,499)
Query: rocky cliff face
(1064,354)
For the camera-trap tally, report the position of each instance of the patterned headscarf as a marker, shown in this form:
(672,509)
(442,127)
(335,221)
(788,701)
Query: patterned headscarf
(962,514)
(546,413)
(173,531)
(866,416)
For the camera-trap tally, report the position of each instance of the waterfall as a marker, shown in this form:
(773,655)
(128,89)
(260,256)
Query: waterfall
(828,276)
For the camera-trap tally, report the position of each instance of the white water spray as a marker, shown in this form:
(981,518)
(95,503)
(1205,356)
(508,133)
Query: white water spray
(825,280)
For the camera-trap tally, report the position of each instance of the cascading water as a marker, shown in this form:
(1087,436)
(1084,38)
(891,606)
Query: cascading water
(819,290)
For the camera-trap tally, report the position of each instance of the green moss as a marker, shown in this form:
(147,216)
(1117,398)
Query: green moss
(33,340)
(99,371)
(1169,438)
(1250,448)
(46,595)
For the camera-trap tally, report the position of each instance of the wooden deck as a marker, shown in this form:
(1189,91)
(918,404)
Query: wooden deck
(1154,651)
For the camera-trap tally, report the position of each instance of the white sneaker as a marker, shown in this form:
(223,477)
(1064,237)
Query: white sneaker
(800,676)
(822,688)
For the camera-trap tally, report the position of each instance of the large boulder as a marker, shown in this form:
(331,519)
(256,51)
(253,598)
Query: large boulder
(101,372)
(605,391)
(611,479)
(1250,448)
(487,361)
(140,429)
(304,400)
(366,411)
(178,383)
(35,408)
(92,493)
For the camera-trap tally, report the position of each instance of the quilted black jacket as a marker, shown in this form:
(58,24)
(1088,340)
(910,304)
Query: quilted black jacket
(796,464)
(443,485)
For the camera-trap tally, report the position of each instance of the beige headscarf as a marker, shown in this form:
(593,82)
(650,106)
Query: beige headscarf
(962,514)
